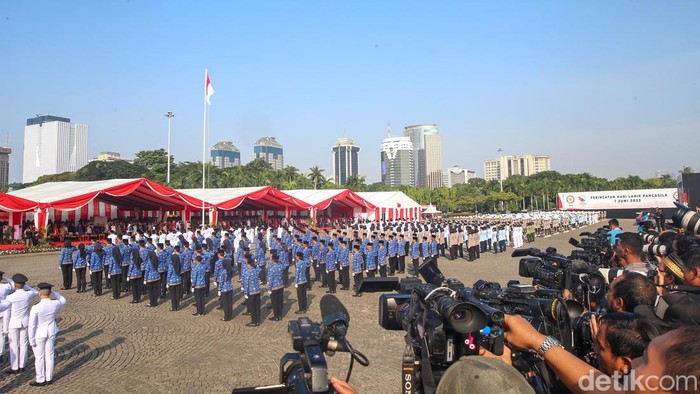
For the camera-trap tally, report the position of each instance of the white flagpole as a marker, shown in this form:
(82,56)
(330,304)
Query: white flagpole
(204,143)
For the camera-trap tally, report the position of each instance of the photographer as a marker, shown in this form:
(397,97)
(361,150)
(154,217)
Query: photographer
(675,354)
(691,270)
(670,272)
(620,338)
(614,231)
(628,250)
(629,290)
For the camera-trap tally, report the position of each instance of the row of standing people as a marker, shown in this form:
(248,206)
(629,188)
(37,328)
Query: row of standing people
(25,325)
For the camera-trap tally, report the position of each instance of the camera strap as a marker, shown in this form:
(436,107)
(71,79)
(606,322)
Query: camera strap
(426,366)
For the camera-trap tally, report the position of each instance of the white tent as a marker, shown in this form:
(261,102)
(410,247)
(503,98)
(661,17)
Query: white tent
(431,210)
(392,206)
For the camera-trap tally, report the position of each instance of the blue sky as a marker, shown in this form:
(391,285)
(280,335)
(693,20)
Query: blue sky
(610,88)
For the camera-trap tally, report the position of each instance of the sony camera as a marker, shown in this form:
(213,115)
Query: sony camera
(442,323)
(305,370)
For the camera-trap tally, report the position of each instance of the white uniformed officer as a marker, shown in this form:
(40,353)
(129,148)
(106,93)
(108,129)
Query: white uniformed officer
(5,289)
(42,332)
(15,324)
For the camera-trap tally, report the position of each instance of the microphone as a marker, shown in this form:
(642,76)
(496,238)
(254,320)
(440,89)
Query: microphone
(521,252)
(335,317)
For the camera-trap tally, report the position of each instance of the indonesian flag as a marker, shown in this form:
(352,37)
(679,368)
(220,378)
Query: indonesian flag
(208,89)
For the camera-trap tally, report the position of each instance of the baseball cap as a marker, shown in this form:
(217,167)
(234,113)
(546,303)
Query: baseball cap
(481,375)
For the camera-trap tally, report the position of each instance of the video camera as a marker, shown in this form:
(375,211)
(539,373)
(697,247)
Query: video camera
(594,248)
(554,271)
(306,370)
(445,320)
(442,323)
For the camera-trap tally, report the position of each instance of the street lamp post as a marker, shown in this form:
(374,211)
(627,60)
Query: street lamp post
(500,172)
(170,116)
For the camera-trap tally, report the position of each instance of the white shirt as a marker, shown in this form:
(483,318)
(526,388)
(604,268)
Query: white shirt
(113,237)
(4,305)
(42,318)
(17,315)
(6,289)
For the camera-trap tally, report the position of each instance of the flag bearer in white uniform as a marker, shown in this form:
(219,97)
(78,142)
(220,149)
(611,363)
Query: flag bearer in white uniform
(15,322)
(42,332)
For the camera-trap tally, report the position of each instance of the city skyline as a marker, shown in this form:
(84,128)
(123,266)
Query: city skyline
(565,79)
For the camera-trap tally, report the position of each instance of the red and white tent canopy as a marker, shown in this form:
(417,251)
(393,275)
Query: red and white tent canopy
(258,198)
(12,208)
(392,206)
(127,195)
(334,201)
(10,203)
(138,193)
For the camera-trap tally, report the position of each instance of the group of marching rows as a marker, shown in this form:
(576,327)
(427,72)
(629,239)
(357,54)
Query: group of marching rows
(196,263)
(182,269)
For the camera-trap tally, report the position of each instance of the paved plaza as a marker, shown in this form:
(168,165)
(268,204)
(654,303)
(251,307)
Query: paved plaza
(109,346)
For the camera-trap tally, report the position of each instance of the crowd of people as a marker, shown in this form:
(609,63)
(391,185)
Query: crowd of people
(250,260)
(193,262)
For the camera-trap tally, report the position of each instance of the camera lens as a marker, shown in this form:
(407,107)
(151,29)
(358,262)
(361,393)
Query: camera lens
(462,317)
(687,219)
(656,250)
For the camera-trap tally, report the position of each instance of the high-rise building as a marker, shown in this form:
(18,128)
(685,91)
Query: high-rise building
(5,166)
(456,175)
(508,166)
(271,151)
(225,155)
(53,145)
(110,156)
(427,154)
(397,164)
(345,160)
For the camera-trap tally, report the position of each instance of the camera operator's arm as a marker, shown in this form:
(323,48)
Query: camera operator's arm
(341,386)
(568,367)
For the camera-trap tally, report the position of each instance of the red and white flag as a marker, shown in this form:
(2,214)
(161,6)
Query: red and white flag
(208,89)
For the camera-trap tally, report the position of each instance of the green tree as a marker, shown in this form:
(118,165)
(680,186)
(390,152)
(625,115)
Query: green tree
(687,170)
(477,182)
(316,177)
(303,182)
(156,162)
(62,177)
(665,180)
(118,169)
(290,173)
(380,187)
(356,183)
